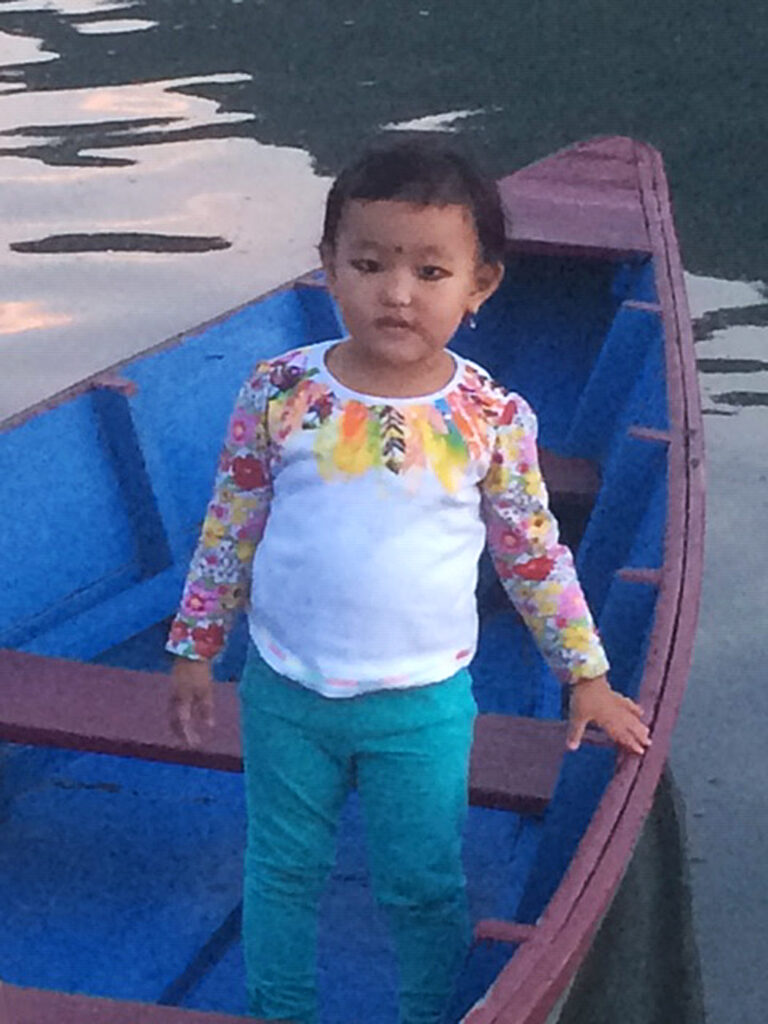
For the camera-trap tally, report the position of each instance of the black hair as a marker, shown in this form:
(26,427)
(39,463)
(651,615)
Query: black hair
(419,171)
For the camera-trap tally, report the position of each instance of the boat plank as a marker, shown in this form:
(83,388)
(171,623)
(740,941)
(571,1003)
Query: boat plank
(577,222)
(494,930)
(585,198)
(56,702)
(76,705)
(568,477)
(581,169)
(515,762)
(587,192)
(44,1006)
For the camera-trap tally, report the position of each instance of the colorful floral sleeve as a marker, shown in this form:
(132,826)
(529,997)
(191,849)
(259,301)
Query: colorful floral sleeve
(536,571)
(218,580)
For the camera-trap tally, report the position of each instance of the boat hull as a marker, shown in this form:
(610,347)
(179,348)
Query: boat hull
(595,275)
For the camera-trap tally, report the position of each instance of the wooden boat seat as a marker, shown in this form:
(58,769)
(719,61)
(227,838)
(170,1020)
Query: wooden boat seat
(46,1006)
(569,479)
(55,702)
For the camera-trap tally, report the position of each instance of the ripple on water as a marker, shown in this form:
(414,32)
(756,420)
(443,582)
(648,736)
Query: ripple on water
(67,7)
(125,241)
(445,122)
(16,52)
(79,127)
(130,212)
(116,25)
(730,321)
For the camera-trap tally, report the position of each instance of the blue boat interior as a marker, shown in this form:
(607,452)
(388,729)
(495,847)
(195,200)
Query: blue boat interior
(122,877)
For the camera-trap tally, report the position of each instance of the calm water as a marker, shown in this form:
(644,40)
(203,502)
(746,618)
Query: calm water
(164,160)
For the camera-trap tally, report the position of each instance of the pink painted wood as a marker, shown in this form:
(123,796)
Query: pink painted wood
(648,577)
(54,702)
(649,434)
(114,382)
(581,169)
(70,704)
(584,199)
(515,762)
(492,929)
(569,477)
(528,988)
(42,1006)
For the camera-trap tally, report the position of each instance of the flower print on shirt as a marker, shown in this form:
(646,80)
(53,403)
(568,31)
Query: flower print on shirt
(392,433)
(219,575)
(535,569)
(353,437)
(475,433)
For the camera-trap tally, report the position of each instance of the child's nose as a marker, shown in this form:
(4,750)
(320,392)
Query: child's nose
(396,288)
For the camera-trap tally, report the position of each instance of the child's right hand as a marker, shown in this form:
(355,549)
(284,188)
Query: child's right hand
(191,702)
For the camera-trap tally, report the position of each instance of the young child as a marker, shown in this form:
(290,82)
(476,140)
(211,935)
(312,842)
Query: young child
(358,484)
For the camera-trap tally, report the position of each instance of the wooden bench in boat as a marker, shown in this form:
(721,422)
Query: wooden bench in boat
(78,706)
(46,1006)
(569,479)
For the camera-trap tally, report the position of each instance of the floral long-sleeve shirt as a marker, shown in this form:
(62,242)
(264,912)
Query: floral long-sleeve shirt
(351,527)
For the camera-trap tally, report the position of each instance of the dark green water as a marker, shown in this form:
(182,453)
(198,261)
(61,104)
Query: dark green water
(162,160)
(690,77)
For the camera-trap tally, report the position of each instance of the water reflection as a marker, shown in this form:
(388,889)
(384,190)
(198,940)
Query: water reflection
(446,122)
(130,158)
(731,331)
(114,26)
(264,201)
(135,210)
(15,53)
(126,241)
(67,7)
(322,75)
(738,316)
(17,317)
(60,128)
(742,398)
(731,365)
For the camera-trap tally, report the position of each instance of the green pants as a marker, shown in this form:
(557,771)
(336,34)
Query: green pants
(407,753)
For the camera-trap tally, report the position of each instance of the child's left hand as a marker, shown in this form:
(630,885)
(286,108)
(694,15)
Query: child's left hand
(593,700)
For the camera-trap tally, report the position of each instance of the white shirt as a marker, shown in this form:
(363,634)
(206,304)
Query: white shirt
(358,522)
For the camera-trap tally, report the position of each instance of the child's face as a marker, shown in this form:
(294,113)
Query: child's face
(405,275)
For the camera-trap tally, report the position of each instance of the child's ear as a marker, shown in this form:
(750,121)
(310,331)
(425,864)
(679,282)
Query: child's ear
(487,280)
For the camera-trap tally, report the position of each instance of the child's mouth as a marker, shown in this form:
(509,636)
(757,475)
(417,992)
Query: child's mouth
(393,323)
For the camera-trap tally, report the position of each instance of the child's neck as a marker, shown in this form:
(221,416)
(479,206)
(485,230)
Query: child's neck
(383,380)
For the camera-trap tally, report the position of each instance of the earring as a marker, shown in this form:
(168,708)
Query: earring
(470,320)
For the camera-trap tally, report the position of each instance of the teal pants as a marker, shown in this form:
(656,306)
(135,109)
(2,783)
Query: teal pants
(407,753)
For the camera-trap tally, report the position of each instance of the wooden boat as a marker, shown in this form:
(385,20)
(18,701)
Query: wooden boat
(103,492)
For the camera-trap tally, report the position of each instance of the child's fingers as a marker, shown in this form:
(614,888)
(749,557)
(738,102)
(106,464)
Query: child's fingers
(181,722)
(635,738)
(634,707)
(643,737)
(638,729)
(575,733)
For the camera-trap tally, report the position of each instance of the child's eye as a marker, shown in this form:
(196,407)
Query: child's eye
(365,266)
(432,273)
